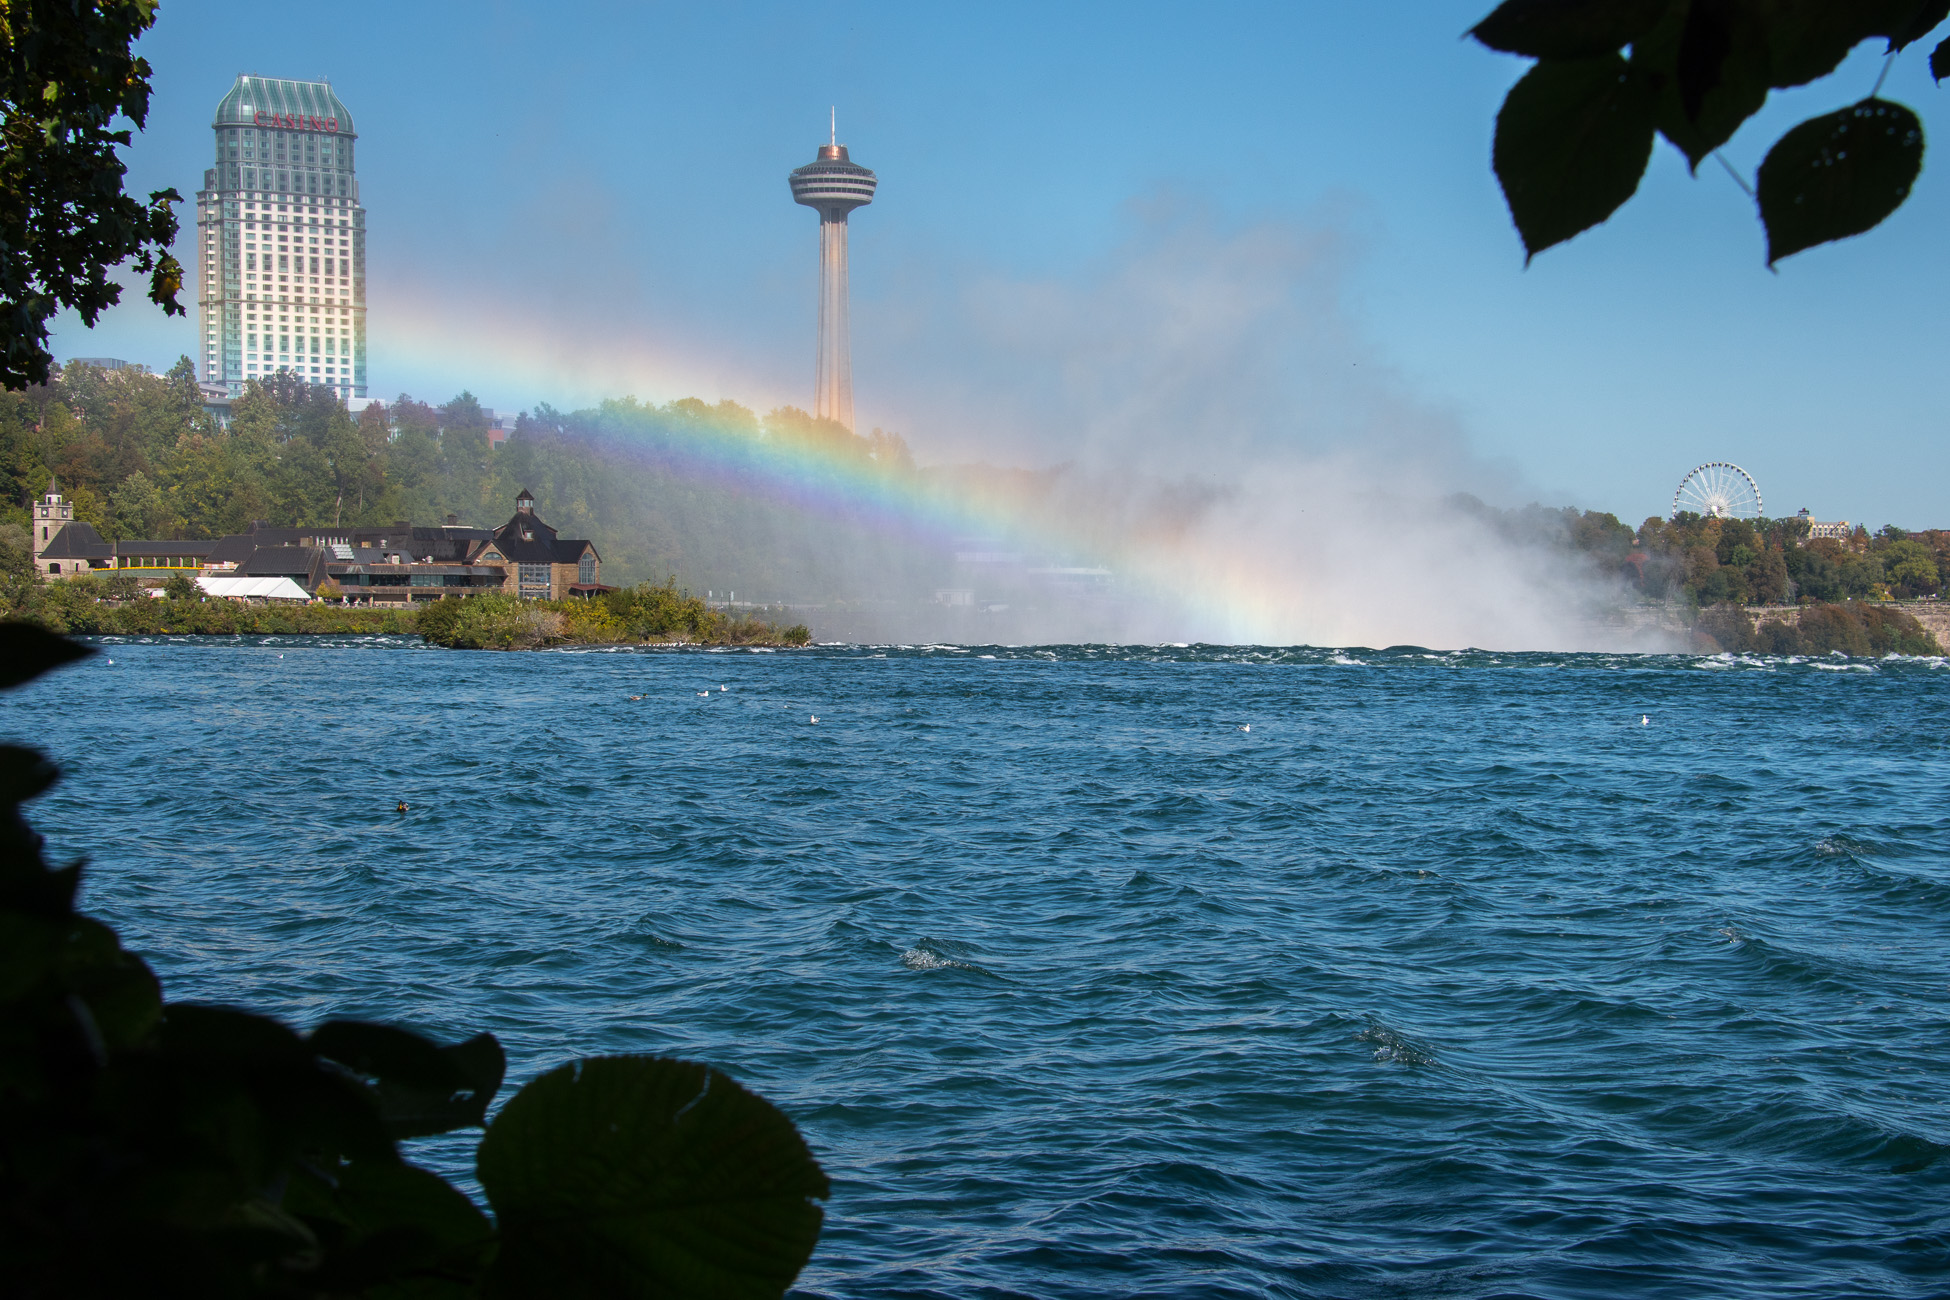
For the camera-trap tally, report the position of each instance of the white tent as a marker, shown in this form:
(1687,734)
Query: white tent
(231,588)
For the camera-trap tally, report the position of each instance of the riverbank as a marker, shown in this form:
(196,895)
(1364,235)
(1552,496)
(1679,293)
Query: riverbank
(1855,628)
(646,615)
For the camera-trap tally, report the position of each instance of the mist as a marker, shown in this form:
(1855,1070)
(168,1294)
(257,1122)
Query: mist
(1198,415)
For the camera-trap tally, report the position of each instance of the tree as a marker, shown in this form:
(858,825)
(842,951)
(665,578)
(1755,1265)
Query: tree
(137,508)
(1575,133)
(66,74)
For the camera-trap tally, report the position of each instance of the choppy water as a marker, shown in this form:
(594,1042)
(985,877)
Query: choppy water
(1448,978)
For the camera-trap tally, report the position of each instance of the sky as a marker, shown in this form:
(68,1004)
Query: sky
(1129,231)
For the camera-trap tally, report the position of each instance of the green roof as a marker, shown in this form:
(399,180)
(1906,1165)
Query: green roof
(253,95)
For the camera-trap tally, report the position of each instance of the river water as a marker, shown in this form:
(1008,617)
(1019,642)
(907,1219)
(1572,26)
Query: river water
(1457,974)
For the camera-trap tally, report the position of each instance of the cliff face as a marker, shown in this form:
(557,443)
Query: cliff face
(1669,628)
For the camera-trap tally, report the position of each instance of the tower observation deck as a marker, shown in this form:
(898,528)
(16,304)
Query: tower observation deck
(833,185)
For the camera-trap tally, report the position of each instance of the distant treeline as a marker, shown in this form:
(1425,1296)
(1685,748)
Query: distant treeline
(774,507)
(1702,561)
(662,490)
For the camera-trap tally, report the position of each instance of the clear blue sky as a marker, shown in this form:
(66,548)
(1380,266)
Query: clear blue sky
(576,201)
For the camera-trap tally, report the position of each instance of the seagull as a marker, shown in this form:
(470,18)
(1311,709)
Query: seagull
(704,695)
(1645,720)
(815,717)
(723,687)
(1247,727)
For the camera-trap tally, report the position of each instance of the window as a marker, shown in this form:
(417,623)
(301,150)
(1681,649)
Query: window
(534,579)
(586,568)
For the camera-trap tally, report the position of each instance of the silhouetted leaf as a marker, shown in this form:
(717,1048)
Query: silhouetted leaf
(1940,60)
(421,1087)
(230,1058)
(636,1176)
(1572,141)
(1806,39)
(27,650)
(24,773)
(1702,80)
(1922,20)
(394,1230)
(1838,175)
(1567,29)
(27,884)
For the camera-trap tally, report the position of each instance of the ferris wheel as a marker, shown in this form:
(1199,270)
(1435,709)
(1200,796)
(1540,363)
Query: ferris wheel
(1719,490)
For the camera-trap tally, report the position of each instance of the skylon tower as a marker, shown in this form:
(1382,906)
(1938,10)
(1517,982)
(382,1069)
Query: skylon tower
(834,185)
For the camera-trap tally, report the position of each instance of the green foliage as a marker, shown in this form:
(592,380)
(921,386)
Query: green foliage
(66,75)
(158,1148)
(649,612)
(1699,562)
(666,1176)
(1838,175)
(1854,628)
(1572,140)
(1574,133)
(684,488)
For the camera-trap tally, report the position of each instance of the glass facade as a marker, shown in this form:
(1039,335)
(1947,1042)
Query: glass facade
(281,240)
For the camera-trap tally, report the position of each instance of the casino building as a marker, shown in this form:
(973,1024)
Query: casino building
(281,240)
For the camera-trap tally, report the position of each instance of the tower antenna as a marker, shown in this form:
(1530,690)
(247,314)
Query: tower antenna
(833,125)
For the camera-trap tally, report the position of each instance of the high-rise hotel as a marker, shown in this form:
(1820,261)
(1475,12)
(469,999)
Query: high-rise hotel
(282,256)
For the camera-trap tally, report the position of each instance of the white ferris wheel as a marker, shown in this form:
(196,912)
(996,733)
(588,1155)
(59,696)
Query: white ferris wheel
(1719,490)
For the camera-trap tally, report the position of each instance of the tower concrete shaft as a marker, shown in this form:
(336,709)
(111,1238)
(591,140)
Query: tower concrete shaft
(833,185)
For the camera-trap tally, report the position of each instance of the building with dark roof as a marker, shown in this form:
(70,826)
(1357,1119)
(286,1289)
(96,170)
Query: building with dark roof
(542,565)
(76,548)
(389,564)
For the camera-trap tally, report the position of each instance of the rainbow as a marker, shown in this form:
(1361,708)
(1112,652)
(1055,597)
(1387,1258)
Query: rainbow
(829,477)
(1255,569)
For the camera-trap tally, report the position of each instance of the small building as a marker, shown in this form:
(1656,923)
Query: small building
(541,565)
(1839,530)
(109,363)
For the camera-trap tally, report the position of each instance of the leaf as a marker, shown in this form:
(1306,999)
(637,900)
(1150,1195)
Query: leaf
(639,1176)
(421,1087)
(1807,39)
(27,650)
(1572,139)
(1838,175)
(393,1226)
(1940,60)
(298,1104)
(1706,72)
(1923,18)
(1567,29)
